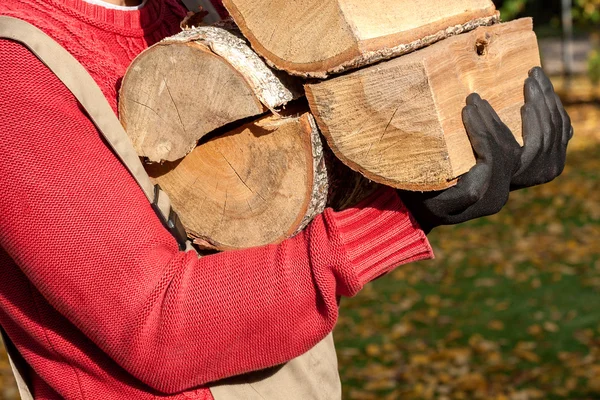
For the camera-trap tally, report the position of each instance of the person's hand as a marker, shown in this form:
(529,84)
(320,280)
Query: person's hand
(546,132)
(484,190)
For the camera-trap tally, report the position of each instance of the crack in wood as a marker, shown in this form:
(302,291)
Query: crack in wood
(175,104)
(149,108)
(240,178)
(224,208)
(386,128)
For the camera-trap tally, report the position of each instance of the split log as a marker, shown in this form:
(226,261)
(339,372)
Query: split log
(259,184)
(316,38)
(399,122)
(187,85)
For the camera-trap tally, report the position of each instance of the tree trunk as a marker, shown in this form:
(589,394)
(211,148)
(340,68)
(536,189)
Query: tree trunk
(316,38)
(186,86)
(399,122)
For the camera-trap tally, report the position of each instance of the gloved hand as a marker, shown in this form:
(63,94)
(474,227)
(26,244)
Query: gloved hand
(500,162)
(484,190)
(546,132)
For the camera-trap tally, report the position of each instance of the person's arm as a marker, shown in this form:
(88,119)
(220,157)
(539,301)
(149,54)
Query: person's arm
(84,234)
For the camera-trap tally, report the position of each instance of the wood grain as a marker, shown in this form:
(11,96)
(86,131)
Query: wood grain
(259,184)
(399,122)
(315,38)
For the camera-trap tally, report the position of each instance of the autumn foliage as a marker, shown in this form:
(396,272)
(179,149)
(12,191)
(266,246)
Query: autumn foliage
(507,311)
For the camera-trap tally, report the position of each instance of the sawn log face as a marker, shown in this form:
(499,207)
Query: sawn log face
(189,84)
(259,184)
(174,94)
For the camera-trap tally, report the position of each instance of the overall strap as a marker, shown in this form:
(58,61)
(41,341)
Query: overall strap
(72,74)
(86,91)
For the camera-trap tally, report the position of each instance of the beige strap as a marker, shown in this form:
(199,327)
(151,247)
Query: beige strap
(89,95)
(87,92)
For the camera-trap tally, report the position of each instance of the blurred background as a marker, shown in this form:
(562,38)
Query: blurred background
(510,309)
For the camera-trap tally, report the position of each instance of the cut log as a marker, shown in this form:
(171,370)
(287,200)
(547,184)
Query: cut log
(259,184)
(399,122)
(186,86)
(315,38)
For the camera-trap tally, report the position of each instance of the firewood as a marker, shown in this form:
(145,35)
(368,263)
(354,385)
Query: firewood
(187,85)
(316,38)
(399,122)
(258,184)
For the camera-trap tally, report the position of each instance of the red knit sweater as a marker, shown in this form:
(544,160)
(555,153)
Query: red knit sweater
(94,292)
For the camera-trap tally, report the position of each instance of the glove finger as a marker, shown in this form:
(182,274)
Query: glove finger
(478,133)
(554,105)
(532,95)
(533,91)
(549,96)
(474,99)
(567,127)
(532,137)
(500,131)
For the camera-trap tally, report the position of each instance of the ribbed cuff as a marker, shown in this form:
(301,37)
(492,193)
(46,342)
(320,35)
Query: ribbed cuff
(379,234)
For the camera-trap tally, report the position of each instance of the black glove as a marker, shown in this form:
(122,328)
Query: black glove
(484,190)
(546,131)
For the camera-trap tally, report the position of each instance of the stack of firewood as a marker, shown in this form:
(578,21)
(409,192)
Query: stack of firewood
(229,118)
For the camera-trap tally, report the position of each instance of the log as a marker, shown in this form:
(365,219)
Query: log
(399,122)
(258,184)
(316,38)
(188,85)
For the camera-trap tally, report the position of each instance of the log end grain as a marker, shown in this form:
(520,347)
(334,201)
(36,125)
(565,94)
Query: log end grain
(257,185)
(172,95)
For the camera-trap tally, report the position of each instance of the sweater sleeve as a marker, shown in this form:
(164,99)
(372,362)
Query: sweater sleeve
(82,231)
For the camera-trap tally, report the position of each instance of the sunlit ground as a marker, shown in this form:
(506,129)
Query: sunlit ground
(510,309)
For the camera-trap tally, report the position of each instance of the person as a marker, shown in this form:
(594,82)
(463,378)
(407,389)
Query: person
(94,292)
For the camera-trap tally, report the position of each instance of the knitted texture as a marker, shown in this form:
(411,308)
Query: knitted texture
(93,290)
(105,41)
